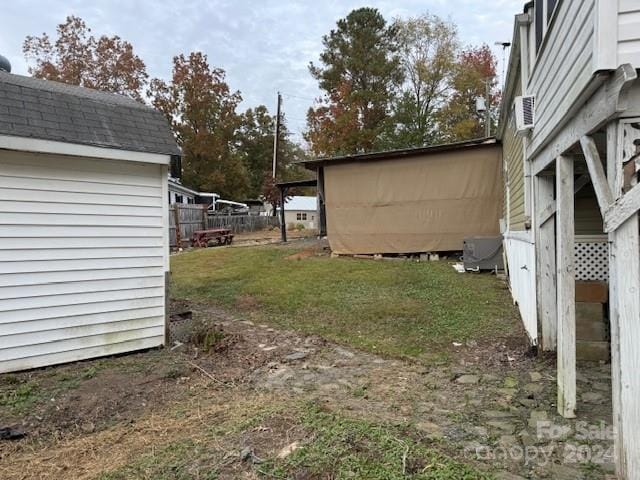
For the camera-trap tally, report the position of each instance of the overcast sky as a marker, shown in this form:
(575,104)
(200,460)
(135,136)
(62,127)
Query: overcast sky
(264,45)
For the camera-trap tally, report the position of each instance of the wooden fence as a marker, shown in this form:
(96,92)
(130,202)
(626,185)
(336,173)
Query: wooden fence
(242,223)
(185,219)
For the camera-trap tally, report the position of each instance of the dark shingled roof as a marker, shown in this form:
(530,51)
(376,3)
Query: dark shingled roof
(30,107)
(404,152)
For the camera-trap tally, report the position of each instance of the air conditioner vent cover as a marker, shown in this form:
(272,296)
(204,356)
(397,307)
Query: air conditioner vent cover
(525,113)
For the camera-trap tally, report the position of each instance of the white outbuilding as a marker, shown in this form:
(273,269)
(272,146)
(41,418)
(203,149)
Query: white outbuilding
(83,223)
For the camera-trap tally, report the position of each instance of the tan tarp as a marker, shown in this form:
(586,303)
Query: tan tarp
(425,203)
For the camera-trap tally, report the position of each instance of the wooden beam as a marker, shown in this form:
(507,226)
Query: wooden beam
(623,208)
(549,211)
(566,288)
(606,103)
(624,312)
(546,266)
(581,182)
(626,329)
(596,171)
(283,225)
(614,176)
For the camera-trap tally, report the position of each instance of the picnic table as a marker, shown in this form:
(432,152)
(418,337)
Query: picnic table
(217,236)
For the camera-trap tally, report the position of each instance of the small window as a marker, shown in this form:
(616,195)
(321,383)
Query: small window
(539,22)
(301,216)
(543,13)
(551,5)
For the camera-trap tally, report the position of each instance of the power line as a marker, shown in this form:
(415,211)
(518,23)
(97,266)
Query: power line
(299,97)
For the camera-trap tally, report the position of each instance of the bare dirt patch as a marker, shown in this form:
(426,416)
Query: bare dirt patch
(229,408)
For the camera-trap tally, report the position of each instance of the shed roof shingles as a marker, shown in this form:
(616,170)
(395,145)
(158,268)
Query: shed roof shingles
(48,110)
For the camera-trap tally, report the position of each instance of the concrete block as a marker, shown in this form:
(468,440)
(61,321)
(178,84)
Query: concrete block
(589,312)
(591,331)
(592,351)
(593,292)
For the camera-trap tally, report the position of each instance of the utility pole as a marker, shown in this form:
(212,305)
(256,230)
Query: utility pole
(276,137)
(487,120)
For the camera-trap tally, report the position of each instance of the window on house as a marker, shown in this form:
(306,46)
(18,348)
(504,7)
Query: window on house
(301,216)
(543,12)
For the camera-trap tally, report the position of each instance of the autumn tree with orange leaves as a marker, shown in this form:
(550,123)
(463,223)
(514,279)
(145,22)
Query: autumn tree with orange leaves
(458,119)
(78,58)
(402,85)
(202,111)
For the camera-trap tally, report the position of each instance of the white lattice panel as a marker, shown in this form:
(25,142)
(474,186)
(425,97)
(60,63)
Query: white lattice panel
(592,261)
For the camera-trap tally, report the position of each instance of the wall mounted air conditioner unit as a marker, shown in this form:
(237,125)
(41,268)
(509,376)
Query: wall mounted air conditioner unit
(525,113)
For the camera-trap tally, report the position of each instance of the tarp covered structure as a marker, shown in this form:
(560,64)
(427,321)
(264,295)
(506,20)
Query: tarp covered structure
(421,200)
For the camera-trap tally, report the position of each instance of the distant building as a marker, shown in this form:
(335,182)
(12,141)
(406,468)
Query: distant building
(179,193)
(426,199)
(300,210)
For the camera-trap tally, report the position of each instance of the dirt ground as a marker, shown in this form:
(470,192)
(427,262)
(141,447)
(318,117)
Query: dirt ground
(84,419)
(262,237)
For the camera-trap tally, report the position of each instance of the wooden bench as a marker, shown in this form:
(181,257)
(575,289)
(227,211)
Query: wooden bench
(202,238)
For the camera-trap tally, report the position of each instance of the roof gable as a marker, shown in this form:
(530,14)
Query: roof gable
(47,110)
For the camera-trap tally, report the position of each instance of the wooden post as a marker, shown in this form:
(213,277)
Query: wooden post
(566,287)
(205,208)
(614,177)
(176,219)
(322,231)
(283,225)
(546,259)
(624,314)
(625,338)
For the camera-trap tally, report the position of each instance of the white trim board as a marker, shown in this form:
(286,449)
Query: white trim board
(36,145)
(521,236)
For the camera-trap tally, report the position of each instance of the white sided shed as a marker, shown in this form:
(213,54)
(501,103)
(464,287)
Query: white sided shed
(83,223)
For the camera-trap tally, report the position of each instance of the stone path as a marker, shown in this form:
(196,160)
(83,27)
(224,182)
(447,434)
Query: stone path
(498,411)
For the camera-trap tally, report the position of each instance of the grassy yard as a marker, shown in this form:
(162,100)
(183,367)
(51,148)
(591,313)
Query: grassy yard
(333,447)
(402,309)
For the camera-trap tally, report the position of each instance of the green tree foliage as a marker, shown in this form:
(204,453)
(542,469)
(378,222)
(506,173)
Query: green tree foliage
(359,73)
(427,48)
(398,86)
(255,147)
(202,111)
(458,119)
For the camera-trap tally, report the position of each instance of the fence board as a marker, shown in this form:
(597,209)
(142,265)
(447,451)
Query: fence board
(195,217)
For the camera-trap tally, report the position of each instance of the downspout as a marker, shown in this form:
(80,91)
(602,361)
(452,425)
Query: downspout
(524,21)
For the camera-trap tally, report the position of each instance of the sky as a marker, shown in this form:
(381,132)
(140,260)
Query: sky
(264,46)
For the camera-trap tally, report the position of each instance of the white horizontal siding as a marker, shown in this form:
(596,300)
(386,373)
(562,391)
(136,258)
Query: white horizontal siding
(55,335)
(521,260)
(81,353)
(629,32)
(86,242)
(563,68)
(16,255)
(82,258)
(38,266)
(78,276)
(14,328)
(35,205)
(48,289)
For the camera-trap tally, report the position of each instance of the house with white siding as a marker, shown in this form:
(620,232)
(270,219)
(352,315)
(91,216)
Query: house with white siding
(83,223)
(569,126)
(301,210)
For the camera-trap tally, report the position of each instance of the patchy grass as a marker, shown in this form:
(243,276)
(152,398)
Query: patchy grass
(19,397)
(347,448)
(403,309)
(329,446)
